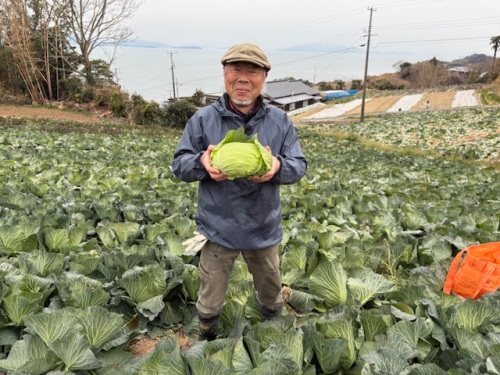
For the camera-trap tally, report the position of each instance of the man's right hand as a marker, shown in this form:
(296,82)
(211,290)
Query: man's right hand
(214,173)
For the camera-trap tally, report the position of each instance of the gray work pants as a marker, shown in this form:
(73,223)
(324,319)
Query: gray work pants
(216,263)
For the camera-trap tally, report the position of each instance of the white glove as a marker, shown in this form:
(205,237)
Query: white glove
(194,244)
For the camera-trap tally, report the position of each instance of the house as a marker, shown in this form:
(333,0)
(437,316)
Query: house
(285,94)
(212,98)
(290,94)
(459,70)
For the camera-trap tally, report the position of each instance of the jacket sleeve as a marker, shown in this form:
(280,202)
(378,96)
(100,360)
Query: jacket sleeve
(293,162)
(187,164)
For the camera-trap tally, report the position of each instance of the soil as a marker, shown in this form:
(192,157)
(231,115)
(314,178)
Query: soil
(143,346)
(430,100)
(61,113)
(374,106)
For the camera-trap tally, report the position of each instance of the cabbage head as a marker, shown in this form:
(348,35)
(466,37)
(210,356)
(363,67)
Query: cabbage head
(239,156)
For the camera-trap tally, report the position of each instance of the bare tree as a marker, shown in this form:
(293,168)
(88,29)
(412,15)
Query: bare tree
(41,19)
(427,74)
(97,22)
(31,31)
(2,26)
(16,33)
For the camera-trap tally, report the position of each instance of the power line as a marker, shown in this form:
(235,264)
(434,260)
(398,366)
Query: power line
(421,41)
(295,27)
(315,56)
(441,24)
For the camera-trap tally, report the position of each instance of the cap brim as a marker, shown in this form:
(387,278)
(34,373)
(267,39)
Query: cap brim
(245,60)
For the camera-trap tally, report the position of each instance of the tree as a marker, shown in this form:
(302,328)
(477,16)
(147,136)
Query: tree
(15,23)
(198,97)
(356,84)
(101,73)
(339,85)
(95,23)
(495,44)
(324,86)
(56,57)
(405,70)
(427,74)
(32,34)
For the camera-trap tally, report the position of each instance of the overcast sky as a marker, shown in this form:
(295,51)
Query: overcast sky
(446,29)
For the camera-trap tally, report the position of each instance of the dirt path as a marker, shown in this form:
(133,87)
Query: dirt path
(436,100)
(376,105)
(49,113)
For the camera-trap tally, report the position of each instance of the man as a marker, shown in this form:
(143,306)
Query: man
(241,215)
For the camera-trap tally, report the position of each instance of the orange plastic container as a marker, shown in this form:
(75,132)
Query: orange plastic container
(474,271)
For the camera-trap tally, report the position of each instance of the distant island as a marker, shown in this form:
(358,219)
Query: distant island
(324,48)
(152,44)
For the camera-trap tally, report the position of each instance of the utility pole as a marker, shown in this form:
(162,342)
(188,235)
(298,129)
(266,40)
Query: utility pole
(173,76)
(366,67)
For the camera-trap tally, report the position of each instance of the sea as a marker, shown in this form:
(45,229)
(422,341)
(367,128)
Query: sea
(163,73)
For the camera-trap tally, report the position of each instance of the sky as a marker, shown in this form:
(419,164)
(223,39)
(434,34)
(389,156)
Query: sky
(314,40)
(415,29)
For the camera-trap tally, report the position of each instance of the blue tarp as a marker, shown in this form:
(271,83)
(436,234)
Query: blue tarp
(336,94)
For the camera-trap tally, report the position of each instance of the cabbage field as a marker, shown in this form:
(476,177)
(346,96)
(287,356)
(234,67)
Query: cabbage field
(472,133)
(91,257)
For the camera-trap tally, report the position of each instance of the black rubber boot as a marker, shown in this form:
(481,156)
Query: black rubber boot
(268,314)
(208,328)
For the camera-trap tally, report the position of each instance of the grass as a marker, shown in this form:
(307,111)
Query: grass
(490,94)
(489,98)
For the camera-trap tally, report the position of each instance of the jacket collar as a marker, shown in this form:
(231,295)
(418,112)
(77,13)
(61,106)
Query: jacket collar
(246,117)
(223,107)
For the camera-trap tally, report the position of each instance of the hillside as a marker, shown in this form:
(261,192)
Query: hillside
(472,59)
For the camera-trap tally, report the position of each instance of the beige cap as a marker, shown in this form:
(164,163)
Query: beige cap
(247,52)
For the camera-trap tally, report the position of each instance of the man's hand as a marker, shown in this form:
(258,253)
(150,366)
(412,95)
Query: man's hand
(275,167)
(214,173)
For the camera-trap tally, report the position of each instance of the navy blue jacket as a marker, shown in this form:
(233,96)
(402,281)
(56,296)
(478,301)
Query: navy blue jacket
(239,214)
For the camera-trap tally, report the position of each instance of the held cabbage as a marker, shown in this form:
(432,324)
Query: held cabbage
(239,156)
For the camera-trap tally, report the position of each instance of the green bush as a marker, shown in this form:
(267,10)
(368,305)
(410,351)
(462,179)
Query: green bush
(153,114)
(103,96)
(70,88)
(86,95)
(118,104)
(386,85)
(145,113)
(178,113)
(138,107)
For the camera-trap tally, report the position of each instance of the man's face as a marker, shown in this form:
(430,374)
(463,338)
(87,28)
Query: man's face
(244,82)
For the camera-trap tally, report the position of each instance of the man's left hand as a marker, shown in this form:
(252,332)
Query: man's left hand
(275,167)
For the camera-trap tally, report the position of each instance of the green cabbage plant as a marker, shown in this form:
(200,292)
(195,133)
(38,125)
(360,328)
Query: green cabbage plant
(239,156)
